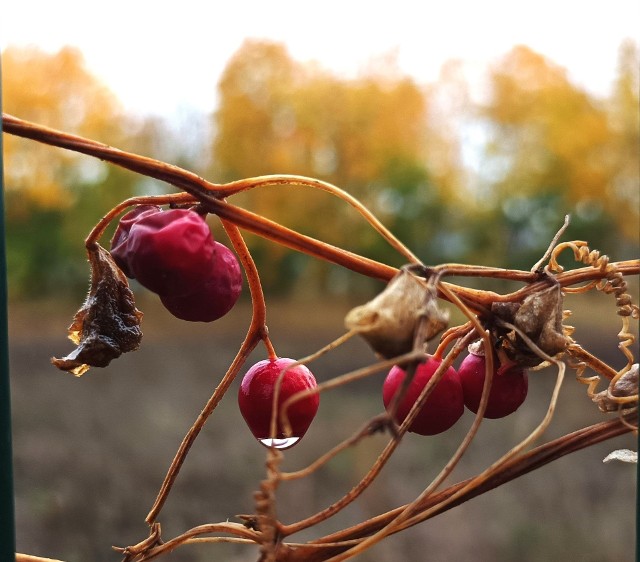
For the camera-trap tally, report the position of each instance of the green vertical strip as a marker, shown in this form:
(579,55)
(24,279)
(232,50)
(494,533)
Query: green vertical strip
(7,514)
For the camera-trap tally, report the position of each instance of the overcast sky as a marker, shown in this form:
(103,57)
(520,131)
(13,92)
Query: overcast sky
(162,56)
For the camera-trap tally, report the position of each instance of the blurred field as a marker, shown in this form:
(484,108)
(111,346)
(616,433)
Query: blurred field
(90,453)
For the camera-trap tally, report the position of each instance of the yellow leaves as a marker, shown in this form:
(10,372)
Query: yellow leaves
(556,136)
(54,90)
(277,115)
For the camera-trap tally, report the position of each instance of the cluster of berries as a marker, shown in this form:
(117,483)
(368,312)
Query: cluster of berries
(442,409)
(454,391)
(173,254)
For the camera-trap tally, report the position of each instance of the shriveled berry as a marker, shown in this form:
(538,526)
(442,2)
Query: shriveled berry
(212,297)
(443,407)
(170,252)
(255,398)
(508,386)
(119,241)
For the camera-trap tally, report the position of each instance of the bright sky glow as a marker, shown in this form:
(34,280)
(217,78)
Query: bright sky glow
(163,57)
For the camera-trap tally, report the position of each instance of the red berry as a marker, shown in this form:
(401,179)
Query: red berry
(442,409)
(508,387)
(119,246)
(170,252)
(255,398)
(213,297)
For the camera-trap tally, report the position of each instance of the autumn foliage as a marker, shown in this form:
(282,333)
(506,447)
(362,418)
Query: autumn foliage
(546,147)
(397,149)
(516,330)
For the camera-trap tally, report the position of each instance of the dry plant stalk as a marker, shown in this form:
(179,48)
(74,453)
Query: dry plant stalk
(523,328)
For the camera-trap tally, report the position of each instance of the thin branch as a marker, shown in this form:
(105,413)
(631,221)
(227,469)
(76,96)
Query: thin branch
(528,462)
(210,193)
(30,558)
(552,245)
(242,534)
(257,332)
(293,180)
(382,459)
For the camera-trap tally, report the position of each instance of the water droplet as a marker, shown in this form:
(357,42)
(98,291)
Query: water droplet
(284,443)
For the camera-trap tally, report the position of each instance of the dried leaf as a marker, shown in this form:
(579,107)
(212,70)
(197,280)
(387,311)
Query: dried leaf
(389,322)
(540,318)
(107,324)
(625,386)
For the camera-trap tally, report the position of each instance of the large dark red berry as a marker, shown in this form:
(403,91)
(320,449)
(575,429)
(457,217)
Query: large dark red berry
(119,241)
(173,254)
(508,386)
(170,252)
(213,297)
(255,398)
(443,407)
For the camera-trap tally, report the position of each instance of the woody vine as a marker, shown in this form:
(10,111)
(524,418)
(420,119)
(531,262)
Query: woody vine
(505,337)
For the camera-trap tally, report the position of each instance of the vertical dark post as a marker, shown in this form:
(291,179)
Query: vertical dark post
(7,518)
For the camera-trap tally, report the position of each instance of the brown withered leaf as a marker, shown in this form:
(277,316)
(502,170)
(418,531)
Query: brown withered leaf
(540,318)
(388,322)
(108,323)
(625,386)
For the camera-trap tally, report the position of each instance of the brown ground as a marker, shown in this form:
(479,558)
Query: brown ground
(90,453)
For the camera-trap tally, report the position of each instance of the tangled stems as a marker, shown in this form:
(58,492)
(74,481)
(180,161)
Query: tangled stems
(210,196)
(257,332)
(322,549)
(476,305)
(438,503)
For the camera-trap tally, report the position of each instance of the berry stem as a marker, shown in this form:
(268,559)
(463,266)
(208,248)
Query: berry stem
(98,230)
(259,305)
(532,460)
(409,509)
(238,186)
(257,332)
(209,193)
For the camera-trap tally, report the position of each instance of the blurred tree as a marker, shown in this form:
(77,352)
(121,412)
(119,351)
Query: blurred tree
(54,90)
(367,135)
(549,133)
(623,201)
(549,150)
(53,197)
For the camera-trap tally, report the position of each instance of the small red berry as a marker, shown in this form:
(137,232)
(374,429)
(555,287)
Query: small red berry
(171,251)
(213,297)
(443,407)
(119,246)
(508,386)
(255,398)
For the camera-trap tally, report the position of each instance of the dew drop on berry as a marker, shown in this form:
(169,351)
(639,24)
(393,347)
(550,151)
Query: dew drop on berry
(283,443)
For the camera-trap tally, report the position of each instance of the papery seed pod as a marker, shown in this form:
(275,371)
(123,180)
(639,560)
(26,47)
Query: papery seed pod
(624,387)
(388,322)
(539,317)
